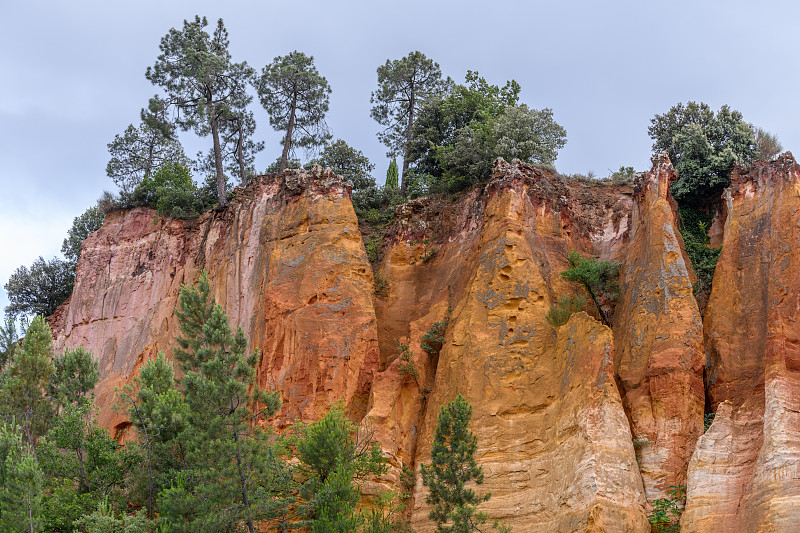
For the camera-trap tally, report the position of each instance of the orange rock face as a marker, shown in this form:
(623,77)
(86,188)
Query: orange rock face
(286,262)
(553,438)
(745,472)
(562,414)
(658,336)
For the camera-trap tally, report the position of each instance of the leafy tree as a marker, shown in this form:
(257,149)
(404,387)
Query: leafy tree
(139,151)
(24,380)
(599,278)
(296,98)
(91,220)
(458,137)
(404,86)
(392,176)
(172,192)
(349,163)
(40,289)
(528,134)
(20,484)
(202,83)
(452,467)
(225,446)
(767,144)
(702,146)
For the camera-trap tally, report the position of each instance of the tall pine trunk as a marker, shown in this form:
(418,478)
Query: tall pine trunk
(287,142)
(240,155)
(222,194)
(403,181)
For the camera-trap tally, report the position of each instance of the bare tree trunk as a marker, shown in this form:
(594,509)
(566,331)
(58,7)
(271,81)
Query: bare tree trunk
(287,142)
(149,169)
(28,435)
(245,500)
(222,194)
(240,154)
(410,124)
(149,462)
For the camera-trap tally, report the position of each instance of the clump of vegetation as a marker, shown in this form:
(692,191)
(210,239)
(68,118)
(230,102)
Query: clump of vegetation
(702,146)
(694,229)
(458,135)
(381,286)
(667,512)
(407,367)
(708,419)
(565,307)
(171,191)
(599,278)
(623,176)
(431,342)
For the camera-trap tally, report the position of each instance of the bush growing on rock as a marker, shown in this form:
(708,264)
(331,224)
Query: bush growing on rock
(565,307)
(599,278)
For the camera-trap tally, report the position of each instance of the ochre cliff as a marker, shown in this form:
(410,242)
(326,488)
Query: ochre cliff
(658,336)
(580,427)
(286,262)
(745,472)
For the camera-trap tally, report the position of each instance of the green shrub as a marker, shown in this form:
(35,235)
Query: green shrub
(171,191)
(666,514)
(694,229)
(563,309)
(708,419)
(433,339)
(381,286)
(600,278)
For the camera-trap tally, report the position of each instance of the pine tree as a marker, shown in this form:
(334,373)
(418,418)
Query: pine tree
(296,97)
(24,381)
(452,467)
(335,456)
(404,86)
(157,410)
(226,447)
(202,82)
(20,484)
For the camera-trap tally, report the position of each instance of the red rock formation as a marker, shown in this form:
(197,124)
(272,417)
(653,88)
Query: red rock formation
(745,474)
(658,337)
(553,407)
(285,260)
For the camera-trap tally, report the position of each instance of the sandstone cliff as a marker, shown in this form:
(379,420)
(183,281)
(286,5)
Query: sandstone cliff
(745,475)
(579,426)
(285,260)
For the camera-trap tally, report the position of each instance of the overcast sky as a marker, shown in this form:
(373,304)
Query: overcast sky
(73,77)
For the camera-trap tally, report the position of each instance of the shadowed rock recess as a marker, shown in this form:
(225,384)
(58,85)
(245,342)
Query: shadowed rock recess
(580,427)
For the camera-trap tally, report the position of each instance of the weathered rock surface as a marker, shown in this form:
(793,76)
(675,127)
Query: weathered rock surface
(553,438)
(285,260)
(745,472)
(556,410)
(658,336)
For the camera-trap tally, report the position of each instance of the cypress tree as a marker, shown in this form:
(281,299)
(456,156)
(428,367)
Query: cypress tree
(392,175)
